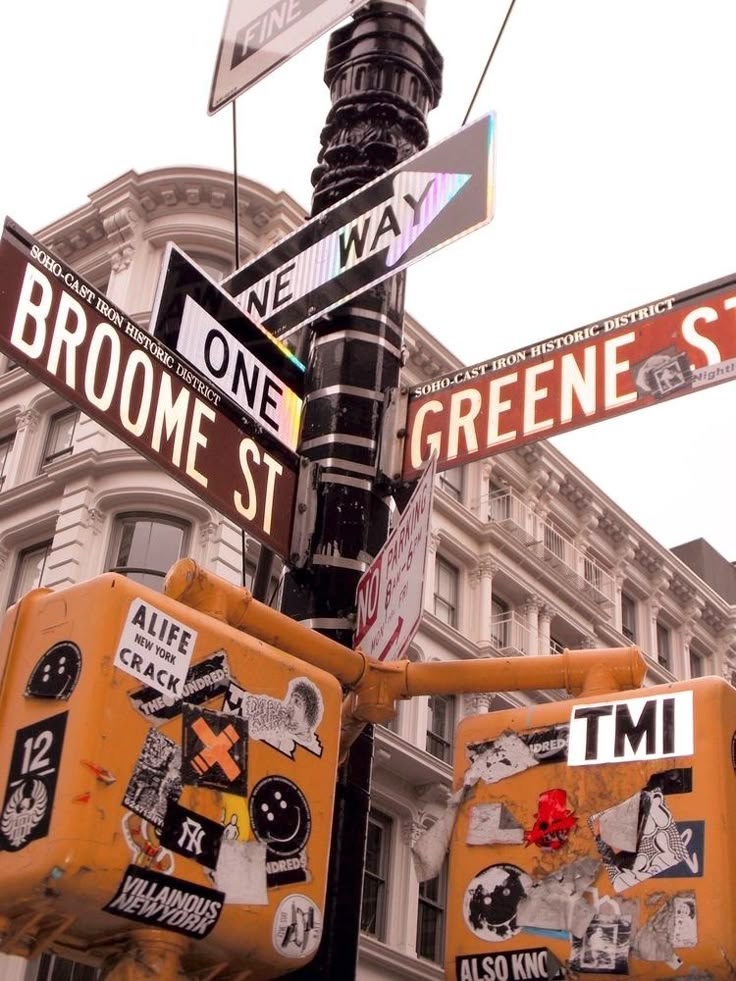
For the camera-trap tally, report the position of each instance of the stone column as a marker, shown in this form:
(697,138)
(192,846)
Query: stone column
(482,577)
(531,613)
(432,546)
(546,613)
(24,459)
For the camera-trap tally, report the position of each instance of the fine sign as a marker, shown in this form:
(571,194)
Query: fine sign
(66,333)
(260,34)
(390,594)
(427,201)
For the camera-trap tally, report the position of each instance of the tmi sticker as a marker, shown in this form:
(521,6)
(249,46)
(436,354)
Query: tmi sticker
(633,729)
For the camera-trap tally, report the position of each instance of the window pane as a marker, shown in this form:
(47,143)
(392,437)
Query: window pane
(147,547)
(628,617)
(446,586)
(60,438)
(431,916)
(663,645)
(440,727)
(29,570)
(6,448)
(451,482)
(373,910)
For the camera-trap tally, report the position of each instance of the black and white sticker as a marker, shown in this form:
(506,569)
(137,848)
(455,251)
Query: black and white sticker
(297,926)
(534,964)
(491,901)
(279,816)
(34,771)
(155,648)
(548,745)
(164,901)
(192,835)
(633,729)
(156,778)
(215,750)
(56,672)
(205,680)
(286,724)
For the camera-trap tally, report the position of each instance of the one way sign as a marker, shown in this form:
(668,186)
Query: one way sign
(424,203)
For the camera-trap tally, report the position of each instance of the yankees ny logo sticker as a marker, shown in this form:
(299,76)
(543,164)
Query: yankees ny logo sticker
(215,747)
(192,835)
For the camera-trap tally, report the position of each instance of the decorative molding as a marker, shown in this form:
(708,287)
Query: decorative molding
(121,259)
(411,830)
(207,532)
(4,556)
(93,519)
(27,419)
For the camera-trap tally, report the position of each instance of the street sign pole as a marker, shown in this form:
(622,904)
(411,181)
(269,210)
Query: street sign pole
(355,357)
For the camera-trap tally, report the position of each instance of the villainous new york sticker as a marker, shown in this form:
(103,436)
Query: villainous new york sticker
(164,901)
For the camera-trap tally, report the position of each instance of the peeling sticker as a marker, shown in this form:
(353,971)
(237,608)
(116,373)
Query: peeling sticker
(534,964)
(155,648)
(493,824)
(674,924)
(554,821)
(632,729)
(659,843)
(429,850)
(56,672)
(491,901)
(675,781)
(497,759)
(604,949)
(163,901)
(214,750)
(693,839)
(205,680)
(144,844)
(557,901)
(548,745)
(281,724)
(156,778)
(241,872)
(297,926)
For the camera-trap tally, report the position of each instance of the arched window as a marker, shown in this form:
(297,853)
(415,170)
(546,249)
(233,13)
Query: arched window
(145,546)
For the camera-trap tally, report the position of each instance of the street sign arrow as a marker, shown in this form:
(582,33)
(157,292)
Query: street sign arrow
(246,363)
(65,332)
(260,34)
(426,202)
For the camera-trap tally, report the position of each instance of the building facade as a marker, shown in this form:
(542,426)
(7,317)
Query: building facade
(527,556)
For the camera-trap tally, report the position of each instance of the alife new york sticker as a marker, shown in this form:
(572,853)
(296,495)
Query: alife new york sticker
(155,648)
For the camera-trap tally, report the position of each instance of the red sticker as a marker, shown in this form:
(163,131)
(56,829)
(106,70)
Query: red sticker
(554,821)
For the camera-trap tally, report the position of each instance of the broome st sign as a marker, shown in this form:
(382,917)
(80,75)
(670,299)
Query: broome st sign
(67,334)
(427,201)
(661,350)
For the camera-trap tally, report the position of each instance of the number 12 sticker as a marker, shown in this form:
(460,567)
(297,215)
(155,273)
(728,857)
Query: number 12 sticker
(29,795)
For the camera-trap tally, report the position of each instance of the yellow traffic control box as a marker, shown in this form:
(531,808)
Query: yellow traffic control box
(163,774)
(595,838)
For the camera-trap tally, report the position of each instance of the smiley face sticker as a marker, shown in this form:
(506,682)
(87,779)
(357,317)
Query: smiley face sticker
(56,673)
(279,816)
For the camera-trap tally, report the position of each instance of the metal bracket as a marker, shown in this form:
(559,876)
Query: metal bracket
(392,434)
(305,512)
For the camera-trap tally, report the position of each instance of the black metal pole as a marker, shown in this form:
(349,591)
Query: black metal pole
(384,76)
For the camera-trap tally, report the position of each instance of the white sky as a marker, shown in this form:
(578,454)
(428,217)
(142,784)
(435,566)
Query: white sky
(616,179)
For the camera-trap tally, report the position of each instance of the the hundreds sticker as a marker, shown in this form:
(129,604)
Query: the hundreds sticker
(204,680)
(164,901)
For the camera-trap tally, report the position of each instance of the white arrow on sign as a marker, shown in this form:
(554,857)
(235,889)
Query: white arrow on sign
(422,204)
(391,228)
(390,594)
